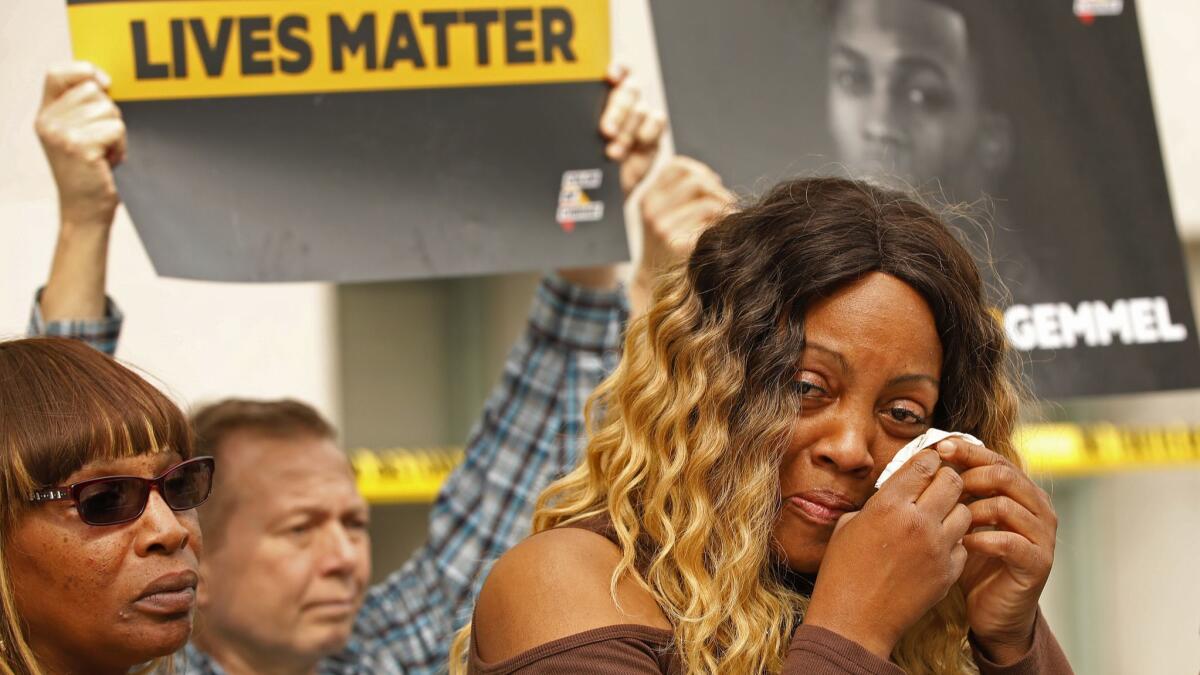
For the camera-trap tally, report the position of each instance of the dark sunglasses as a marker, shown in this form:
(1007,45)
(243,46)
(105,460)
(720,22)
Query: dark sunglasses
(119,499)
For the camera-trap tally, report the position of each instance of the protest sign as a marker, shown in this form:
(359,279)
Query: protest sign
(376,139)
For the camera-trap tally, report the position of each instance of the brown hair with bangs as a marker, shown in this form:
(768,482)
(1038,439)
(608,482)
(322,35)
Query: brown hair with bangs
(63,405)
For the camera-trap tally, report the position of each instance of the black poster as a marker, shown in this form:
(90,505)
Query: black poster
(1034,114)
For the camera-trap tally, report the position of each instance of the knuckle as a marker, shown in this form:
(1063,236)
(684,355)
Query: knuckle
(933,552)
(965,516)
(947,572)
(913,524)
(924,469)
(1003,475)
(659,184)
(1043,562)
(685,169)
(691,183)
(1008,545)
(71,141)
(1044,498)
(883,508)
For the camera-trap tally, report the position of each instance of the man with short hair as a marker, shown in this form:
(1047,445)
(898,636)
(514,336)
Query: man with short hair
(285,514)
(286,565)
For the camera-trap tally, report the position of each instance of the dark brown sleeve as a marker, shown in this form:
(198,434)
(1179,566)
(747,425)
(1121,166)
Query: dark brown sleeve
(817,651)
(614,650)
(1045,657)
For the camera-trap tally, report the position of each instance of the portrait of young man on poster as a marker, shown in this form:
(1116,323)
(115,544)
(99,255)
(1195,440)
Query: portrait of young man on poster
(988,111)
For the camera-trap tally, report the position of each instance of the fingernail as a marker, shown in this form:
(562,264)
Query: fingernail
(615,72)
(945,448)
(104,79)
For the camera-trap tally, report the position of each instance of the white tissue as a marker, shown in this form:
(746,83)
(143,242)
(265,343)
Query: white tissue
(925,440)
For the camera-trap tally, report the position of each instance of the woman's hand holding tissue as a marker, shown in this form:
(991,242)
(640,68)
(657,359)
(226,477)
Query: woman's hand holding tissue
(1010,549)
(887,564)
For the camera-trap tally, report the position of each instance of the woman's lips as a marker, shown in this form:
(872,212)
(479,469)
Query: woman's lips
(821,508)
(168,602)
(169,594)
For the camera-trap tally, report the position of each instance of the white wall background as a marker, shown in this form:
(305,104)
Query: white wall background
(1169,39)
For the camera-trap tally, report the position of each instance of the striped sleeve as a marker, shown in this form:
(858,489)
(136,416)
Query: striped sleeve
(102,334)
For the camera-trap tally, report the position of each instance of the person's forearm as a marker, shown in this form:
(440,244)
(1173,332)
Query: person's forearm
(602,278)
(75,289)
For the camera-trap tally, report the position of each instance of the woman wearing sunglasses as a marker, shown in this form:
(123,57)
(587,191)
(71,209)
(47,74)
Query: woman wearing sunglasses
(99,538)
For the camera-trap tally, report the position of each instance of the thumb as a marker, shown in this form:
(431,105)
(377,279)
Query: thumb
(846,518)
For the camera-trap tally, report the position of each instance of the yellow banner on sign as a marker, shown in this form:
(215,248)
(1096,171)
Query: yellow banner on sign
(164,49)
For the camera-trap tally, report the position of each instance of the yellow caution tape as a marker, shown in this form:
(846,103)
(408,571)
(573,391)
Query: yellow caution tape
(403,475)
(1071,449)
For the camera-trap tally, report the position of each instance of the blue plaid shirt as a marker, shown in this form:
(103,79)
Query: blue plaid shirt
(99,333)
(530,433)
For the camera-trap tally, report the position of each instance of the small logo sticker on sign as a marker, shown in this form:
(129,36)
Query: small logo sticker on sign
(1087,10)
(575,205)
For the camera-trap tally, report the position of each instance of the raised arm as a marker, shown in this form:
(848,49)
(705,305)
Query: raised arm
(84,138)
